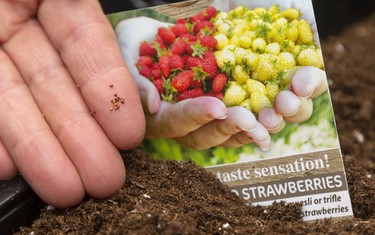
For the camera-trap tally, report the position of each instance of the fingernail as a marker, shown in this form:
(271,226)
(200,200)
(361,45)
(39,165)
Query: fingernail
(219,113)
(265,145)
(288,103)
(265,149)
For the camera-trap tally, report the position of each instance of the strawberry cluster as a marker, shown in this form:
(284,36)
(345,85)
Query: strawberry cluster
(180,60)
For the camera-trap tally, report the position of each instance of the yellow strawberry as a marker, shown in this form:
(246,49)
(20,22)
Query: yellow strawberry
(240,10)
(222,41)
(259,11)
(245,41)
(239,53)
(275,17)
(295,50)
(234,40)
(274,9)
(246,104)
(225,28)
(285,60)
(280,29)
(259,45)
(291,32)
(254,23)
(240,23)
(273,48)
(240,75)
(281,22)
(309,57)
(265,30)
(286,76)
(272,89)
(253,86)
(320,55)
(265,70)
(238,29)
(220,16)
(225,60)
(250,34)
(234,95)
(251,61)
(259,101)
(286,45)
(304,32)
(291,14)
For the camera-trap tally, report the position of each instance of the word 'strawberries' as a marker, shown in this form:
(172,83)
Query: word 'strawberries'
(244,57)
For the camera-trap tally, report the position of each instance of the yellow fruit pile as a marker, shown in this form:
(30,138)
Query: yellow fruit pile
(260,49)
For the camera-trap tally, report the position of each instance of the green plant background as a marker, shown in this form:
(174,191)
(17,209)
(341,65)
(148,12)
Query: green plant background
(317,133)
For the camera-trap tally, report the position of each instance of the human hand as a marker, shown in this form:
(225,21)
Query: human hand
(294,105)
(198,123)
(60,68)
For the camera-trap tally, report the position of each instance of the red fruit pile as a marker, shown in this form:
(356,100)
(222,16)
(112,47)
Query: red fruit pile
(180,60)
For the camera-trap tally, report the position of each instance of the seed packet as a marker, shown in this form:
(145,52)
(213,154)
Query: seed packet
(239,87)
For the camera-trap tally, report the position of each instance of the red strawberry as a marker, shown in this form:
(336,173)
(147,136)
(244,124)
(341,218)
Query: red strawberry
(196,84)
(196,49)
(193,62)
(208,41)
(178,47)
(209,64)
(189,47)
(181,21)
(219,82)
(188,37)
(155,71)
(209,12)
(179,29)
(218,95)
(202,26)
(197,18)
(189,94)
(159,85)
(183,80)
(167,35)
(145,71)
(176,62)
(146,49)
(160,42)
(164,66)
(144,61)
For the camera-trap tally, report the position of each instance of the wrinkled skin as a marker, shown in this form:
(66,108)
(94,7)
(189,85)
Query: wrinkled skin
(57,62)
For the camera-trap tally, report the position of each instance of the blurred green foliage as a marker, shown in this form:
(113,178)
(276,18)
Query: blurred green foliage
(169,149)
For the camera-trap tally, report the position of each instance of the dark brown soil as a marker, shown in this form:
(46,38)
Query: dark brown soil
(181,198)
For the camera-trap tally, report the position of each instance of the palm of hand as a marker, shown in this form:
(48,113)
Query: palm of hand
(48,132)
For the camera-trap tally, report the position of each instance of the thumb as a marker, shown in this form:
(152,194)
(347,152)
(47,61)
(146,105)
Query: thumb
(149,94)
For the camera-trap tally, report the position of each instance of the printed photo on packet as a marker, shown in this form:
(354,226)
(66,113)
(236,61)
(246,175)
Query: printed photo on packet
(239,87)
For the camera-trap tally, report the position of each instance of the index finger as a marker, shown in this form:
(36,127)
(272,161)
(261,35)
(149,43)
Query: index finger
(87,44)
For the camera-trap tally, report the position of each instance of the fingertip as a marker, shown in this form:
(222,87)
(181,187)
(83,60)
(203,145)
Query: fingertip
(271,120)
(303,113)
(8,170)
(287,103)
(213,107)
(309,82)
(106,182)
(63,193)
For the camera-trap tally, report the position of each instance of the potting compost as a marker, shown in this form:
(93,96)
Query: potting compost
(167,197)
